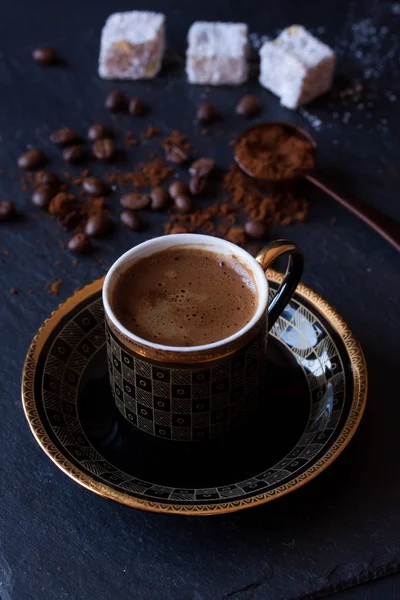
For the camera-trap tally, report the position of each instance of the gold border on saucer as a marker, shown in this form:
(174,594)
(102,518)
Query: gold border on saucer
(360,384)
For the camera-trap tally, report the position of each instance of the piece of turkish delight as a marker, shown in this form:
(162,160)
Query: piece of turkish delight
(132,45)
(296,66)
(217,53)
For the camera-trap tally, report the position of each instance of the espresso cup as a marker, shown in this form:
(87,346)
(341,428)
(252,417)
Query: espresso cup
(196,393)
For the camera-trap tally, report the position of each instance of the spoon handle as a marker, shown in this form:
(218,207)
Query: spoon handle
(386,227)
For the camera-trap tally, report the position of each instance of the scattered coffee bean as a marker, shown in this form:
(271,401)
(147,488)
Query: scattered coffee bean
(159,198)
(95,186)
(71,219)
(31,159)
(202,167)
(47,178)
(176,155)
(249,106)
(58,202)
(7,210)
(184,204)
(178,188)
(131,219)
(135,201)
(197,185)
(116,100)
(206,113)
(98,225)
(43,194)
(79,244)
(256,231)
(45,56)
(97,131)
(136,107)
(74,154)
(64,136)
(61,204)
(104,149)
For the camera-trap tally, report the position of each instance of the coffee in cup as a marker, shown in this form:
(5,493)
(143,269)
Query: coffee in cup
(187,321)
(181,297)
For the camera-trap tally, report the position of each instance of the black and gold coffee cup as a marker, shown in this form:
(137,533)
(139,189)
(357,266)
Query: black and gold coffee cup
(196,393)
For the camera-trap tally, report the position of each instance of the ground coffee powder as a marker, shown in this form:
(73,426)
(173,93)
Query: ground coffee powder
(273,152)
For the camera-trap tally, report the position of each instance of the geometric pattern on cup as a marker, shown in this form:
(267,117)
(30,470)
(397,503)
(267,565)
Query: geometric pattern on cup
(198,401)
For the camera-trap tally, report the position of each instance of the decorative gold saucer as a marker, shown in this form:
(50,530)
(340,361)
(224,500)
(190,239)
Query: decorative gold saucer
(318,389)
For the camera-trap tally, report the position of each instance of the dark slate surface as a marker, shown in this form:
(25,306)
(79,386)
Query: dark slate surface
(59,541)
(382,588)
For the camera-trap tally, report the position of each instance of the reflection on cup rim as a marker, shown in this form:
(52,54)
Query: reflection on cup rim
(209,243)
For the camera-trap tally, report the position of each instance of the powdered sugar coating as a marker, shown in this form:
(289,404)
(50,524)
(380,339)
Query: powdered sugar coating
(132,45)
(296,66)
(309,50)
(217,53)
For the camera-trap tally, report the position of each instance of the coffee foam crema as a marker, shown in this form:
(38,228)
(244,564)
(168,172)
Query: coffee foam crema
(185,296)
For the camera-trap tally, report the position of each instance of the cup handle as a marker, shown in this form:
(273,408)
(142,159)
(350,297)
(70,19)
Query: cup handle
(294,271)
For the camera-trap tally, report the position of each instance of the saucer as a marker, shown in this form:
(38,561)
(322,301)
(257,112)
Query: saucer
(317,387)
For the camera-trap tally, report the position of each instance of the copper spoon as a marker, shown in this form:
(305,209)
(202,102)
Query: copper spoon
(386,227)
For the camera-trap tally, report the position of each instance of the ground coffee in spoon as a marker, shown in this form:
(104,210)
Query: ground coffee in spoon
(275,153)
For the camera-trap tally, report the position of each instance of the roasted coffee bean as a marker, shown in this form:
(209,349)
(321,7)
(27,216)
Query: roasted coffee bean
(45,56)
(95,186)
(197,185)
(249,106)
(7,210)
(136,107)
(206,113)
(47,178)
(116,101)
(64,136)
(61,204)
(58,202)
(79,244)
(178,188)
(97,131)
(71,219)
(104,149)
(43,194)
(159,198)
(184,205)
(31,159)
(131,219)
(202,167)
(176,155)
(98,225)
(135,201)
(74,154)
(257,231)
